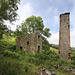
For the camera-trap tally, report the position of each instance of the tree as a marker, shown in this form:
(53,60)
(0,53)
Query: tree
(45,44)
(8,10)
(33,24)
(18,32)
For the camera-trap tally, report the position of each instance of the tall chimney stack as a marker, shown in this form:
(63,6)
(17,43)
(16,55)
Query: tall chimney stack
(64,37)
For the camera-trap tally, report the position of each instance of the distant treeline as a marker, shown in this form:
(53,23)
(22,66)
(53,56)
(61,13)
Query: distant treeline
(56,46)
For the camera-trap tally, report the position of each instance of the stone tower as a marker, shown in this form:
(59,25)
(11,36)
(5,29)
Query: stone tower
(64,36)
(30,43)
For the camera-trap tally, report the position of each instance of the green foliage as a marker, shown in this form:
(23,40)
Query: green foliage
(54,46)
(26,68)
(43,58)
(57,47)
(73,60)
(72,49)
(31,25)
(10,66)
(7,45)
(48,55)
(17,62)
(2,29)
(46,32)
(11,54)
(55,50)
(8,10)
(45,44)
(63,62)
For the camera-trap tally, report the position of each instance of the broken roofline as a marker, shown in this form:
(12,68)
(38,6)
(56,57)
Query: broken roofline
(67,13)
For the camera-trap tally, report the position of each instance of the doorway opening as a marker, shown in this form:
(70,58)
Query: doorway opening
(38,49)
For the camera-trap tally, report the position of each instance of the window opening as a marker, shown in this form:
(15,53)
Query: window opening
(38,36)
(38,48)
(20,47)
(27,43)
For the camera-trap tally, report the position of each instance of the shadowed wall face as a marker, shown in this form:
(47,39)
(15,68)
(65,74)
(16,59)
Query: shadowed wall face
(64,37)
(30,43)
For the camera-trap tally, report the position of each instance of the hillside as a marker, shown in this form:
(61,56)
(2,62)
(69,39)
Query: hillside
(16,62)
(55,46)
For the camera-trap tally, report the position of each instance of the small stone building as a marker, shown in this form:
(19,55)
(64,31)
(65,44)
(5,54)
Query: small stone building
(30,43)
(64,36)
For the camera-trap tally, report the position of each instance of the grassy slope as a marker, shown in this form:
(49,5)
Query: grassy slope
(18,63)
(53,49)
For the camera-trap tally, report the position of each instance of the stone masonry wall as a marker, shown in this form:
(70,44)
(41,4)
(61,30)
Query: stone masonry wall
(64,37)
(30,43)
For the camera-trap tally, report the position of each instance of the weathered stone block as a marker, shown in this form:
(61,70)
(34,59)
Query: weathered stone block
(30,43)
(64,37)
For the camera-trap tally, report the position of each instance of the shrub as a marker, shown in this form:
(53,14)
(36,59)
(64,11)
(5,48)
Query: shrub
(11,54)
(26,68)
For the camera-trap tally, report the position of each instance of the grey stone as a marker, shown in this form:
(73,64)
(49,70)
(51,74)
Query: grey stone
(64,37)
(30,43)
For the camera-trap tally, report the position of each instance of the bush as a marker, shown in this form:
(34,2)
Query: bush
(11,54)
(46,57)
(26,68)
(7,45)
(73,60)
(45,44)
(21,52)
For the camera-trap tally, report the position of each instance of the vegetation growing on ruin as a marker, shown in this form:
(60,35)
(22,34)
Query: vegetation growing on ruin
(16,62)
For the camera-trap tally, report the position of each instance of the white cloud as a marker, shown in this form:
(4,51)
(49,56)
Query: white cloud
(55,36)
(54,39)
(72,23)
(54,12)
(72,39)
(23,12)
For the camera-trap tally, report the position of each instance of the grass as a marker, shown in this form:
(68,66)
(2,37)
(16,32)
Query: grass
(16,66)
(53,49)
(16,62)
(27,64)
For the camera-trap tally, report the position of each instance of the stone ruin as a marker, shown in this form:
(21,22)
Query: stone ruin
(64,37)
(30,43)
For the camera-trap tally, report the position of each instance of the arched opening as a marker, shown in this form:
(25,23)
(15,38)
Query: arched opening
(38,36)
(20,47)
(27,43)
(38,49)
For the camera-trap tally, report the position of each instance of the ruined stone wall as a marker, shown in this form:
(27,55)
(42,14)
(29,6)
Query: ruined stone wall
(64,37)
(30,43)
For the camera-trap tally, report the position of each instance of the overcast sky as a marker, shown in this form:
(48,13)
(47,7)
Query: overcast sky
(50,11)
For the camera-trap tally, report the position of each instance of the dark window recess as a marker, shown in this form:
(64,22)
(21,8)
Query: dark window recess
(27,43)
(38,48)
(38,36)
(20,47)
(59,52)
(68,54)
